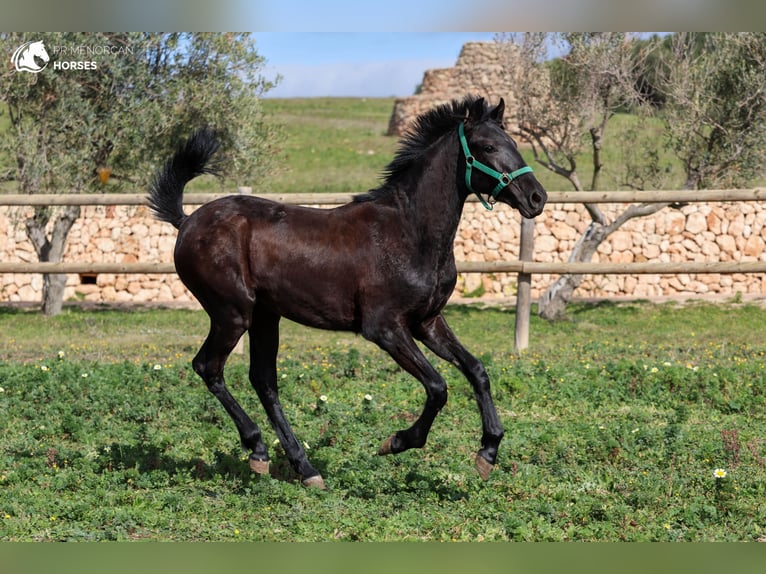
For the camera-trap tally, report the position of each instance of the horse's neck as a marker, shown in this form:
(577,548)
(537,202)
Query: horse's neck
(435,204)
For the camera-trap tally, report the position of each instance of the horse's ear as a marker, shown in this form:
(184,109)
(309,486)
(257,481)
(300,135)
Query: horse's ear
(476,111)
(497,113)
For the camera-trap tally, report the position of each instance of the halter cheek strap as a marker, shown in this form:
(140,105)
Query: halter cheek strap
(503,179)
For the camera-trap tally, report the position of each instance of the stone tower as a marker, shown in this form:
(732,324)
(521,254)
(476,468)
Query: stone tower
(483,68)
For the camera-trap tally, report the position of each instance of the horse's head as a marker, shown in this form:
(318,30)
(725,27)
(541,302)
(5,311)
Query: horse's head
(25,57)
(37,49)
(493,165)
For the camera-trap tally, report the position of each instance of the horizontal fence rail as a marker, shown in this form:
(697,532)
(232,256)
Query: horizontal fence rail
(86,268)
(607,268)
(528,267)
(189,199)
(654,196)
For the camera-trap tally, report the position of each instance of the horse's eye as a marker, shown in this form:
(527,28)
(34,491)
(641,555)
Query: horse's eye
(489,149)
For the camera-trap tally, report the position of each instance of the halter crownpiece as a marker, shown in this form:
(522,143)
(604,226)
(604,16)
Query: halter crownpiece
(503,179)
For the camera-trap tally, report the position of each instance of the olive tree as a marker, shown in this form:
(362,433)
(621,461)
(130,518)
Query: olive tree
(715,112)
(708,92)
(102,125)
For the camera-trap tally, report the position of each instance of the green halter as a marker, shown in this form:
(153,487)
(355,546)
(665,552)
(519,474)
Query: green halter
(503,179)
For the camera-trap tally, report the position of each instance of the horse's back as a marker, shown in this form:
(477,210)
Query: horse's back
(308,264)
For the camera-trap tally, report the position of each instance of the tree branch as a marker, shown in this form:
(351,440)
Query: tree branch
(633,211)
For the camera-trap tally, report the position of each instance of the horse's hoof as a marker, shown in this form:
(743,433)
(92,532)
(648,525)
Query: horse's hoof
(314,482)
(484,467)
(259,466)
(385,448)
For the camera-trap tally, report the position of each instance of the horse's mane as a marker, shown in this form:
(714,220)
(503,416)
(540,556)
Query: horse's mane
(426,129)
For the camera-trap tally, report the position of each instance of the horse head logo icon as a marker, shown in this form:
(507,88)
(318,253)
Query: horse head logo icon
(26,57)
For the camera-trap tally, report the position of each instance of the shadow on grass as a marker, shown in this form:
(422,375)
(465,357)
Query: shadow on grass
(11,310)
(146,458)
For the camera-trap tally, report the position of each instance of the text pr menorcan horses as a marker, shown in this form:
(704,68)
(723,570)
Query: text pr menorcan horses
(381,266)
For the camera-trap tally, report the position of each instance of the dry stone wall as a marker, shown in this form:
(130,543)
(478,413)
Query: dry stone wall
(724,231)
(108,234)
(698,232)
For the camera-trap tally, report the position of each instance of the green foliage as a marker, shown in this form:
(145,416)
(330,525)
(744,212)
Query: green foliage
(564,104)
(706,88)
(715,109)
(125,115)
(109,126)
(609,437)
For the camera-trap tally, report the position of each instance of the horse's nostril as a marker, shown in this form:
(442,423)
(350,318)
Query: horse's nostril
(537,198)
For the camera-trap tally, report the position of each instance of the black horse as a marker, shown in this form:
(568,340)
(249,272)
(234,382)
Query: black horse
(382,265)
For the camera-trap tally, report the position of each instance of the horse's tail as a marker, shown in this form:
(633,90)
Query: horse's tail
(192,159)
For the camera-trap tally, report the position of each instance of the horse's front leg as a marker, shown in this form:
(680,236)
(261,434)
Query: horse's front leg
(438,337)
(398,343)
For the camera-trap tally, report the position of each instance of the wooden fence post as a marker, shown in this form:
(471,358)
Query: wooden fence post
(524,281)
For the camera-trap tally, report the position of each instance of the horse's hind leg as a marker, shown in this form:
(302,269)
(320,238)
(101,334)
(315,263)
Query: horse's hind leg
(264,345)
(209,364)
(438,337)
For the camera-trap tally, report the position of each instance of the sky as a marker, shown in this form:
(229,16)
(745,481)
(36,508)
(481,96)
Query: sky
(357,64)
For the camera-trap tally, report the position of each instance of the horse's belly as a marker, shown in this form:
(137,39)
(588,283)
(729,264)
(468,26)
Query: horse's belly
(310,294)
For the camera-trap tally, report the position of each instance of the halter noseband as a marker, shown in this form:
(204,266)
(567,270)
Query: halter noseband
(503,179)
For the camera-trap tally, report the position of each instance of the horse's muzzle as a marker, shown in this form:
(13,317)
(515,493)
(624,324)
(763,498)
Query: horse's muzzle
(535,203)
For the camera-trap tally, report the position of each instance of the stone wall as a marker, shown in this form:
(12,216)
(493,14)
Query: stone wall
(481,69)
(698,232)
(723,231)
(109,234)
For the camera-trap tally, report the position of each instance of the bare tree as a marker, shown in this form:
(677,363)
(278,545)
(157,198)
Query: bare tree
(711,95)
(564,107)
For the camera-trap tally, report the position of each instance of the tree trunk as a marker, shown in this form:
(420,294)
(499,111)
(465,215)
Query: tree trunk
(553,303)
(53,293)
(51,249)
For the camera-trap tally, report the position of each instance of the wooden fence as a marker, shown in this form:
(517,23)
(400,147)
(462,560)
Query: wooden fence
(525,267)
(655,196)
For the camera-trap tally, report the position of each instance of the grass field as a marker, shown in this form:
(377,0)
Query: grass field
(339,145)
(616,422)
(331,144)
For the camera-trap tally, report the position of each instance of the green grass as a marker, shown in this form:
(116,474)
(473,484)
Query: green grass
(331,144)
(615,423)
(339,145)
